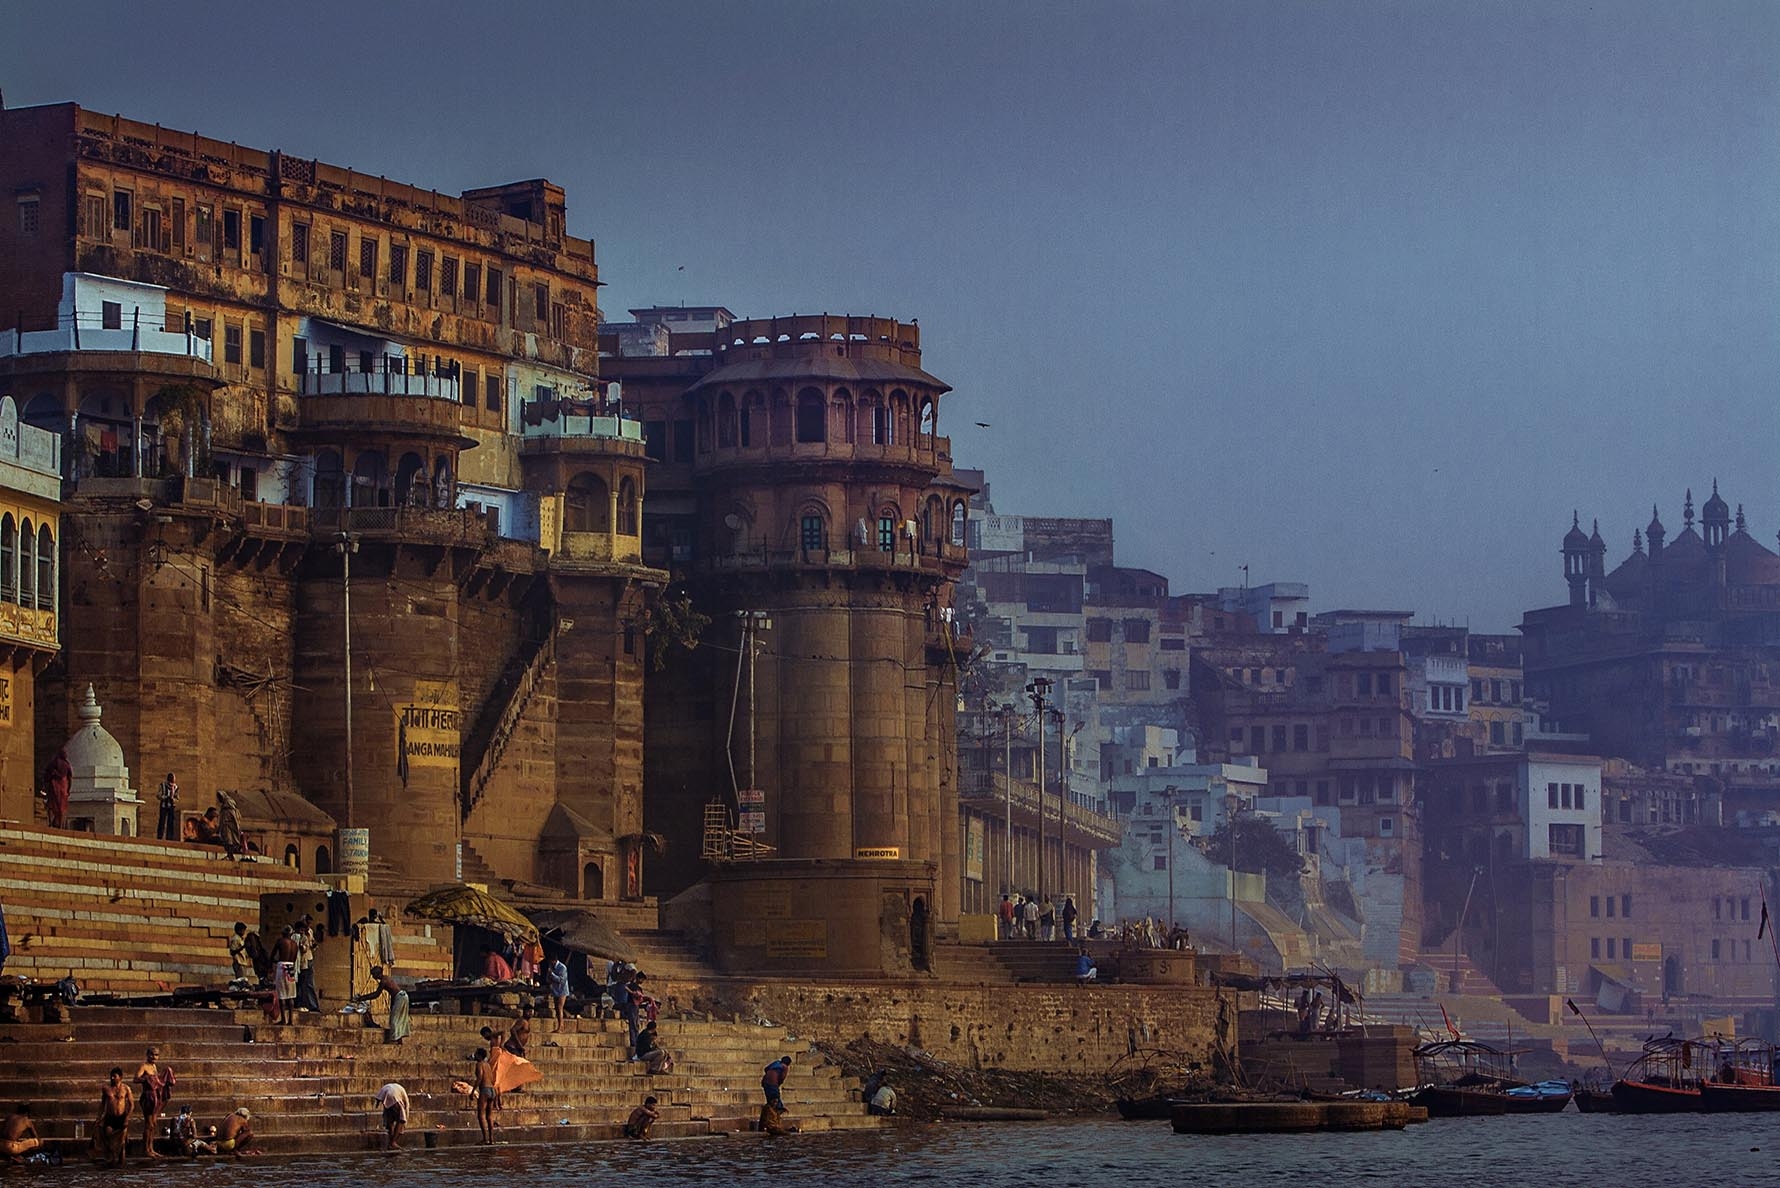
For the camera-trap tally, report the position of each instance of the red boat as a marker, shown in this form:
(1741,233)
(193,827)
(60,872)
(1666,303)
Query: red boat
(1646,1097)
(1668,1077)
(1744,1082)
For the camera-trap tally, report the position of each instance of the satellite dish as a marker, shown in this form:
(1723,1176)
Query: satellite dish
(732,521)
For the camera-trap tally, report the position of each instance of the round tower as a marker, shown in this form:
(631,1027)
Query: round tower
(828,535)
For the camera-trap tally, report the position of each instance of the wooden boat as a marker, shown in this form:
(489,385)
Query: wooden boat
(1596,1101)
(1744,1082)
(1667,1078)
(1146,1109)
(1449,1101)
(1547,1097)
(1647,1097)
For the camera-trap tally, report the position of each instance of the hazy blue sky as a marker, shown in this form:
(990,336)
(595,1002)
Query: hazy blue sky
(1364,295)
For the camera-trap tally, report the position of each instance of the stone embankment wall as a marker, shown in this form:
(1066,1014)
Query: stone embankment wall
(1065,1029)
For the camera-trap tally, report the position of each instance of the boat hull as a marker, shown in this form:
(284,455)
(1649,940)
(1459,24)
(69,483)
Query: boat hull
(1596,1101)
(1551,1103)
(1739,1099)
(1444,1102)
(1642,1097)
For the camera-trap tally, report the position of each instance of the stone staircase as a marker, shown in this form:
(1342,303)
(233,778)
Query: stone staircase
(1471,980)
(137,916)
(310,1085)
(502,711)
(1005,962)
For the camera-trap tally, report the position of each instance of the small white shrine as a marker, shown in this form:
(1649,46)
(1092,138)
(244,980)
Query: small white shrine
(99,794)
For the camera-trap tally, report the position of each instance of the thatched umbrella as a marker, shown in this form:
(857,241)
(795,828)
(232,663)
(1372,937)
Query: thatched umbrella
(583,932)
(462,904)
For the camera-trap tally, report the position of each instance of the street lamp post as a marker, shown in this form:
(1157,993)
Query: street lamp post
(1232,806)
(1040,690)
(1008,712)
(346,547)
(1173,828)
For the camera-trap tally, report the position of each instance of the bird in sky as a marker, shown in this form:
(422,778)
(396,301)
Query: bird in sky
(982,424)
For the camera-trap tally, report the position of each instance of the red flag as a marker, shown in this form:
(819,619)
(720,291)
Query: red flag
(1448,1019)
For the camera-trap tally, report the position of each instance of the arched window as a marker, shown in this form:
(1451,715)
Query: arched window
(841,427)
(330,482)
(593,881)
(779,419)
(411,485)
(627,506)
(958,523)
(889,524)
(812,533)
(27,565)
(934,525)
(9,559)
(929,416)
(587,506)
(324,861)
(292,857)
(370,481)
(46,569)
(812,416)
(443,494)
(899,416)
(726,421)
(753,405)
(704,424)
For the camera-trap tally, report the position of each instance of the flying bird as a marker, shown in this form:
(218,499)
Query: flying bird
(982,424)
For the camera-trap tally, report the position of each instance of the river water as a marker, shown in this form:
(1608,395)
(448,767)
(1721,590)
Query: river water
(1611,1151)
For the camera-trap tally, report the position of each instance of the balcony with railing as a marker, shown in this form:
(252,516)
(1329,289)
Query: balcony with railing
(101,332)
(460,526)
(1085,819)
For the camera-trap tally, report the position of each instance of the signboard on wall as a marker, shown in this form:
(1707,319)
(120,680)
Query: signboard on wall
(878,852)
(751,798)
(429,729)
(1647,952)
(797,938)
(973,849)
(752,821)
(550,523)
(5,701)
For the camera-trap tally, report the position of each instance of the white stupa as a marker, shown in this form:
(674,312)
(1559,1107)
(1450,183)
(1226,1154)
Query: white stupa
(99,791)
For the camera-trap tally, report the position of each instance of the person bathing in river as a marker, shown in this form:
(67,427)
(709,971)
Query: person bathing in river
(157,1089)
(115,1102)
(18,1138)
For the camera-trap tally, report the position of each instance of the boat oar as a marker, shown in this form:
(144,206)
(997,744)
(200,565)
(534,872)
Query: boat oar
(1577,1011)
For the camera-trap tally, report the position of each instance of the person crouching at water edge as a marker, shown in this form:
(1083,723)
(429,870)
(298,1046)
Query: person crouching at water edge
(19,1136)
(236,1137)
(641,1120)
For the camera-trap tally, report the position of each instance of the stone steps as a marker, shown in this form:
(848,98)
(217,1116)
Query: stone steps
(311,1086)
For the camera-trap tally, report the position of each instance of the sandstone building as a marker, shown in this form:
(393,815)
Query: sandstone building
(266,369)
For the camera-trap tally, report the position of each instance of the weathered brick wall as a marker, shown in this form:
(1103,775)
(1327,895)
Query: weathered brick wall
(1058,1029)
(254,625)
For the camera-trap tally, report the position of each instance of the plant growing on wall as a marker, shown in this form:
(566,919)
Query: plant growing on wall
(671,623)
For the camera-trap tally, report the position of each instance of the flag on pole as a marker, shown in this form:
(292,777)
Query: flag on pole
(1762,930)
(1448,1019)
(1571,1003)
